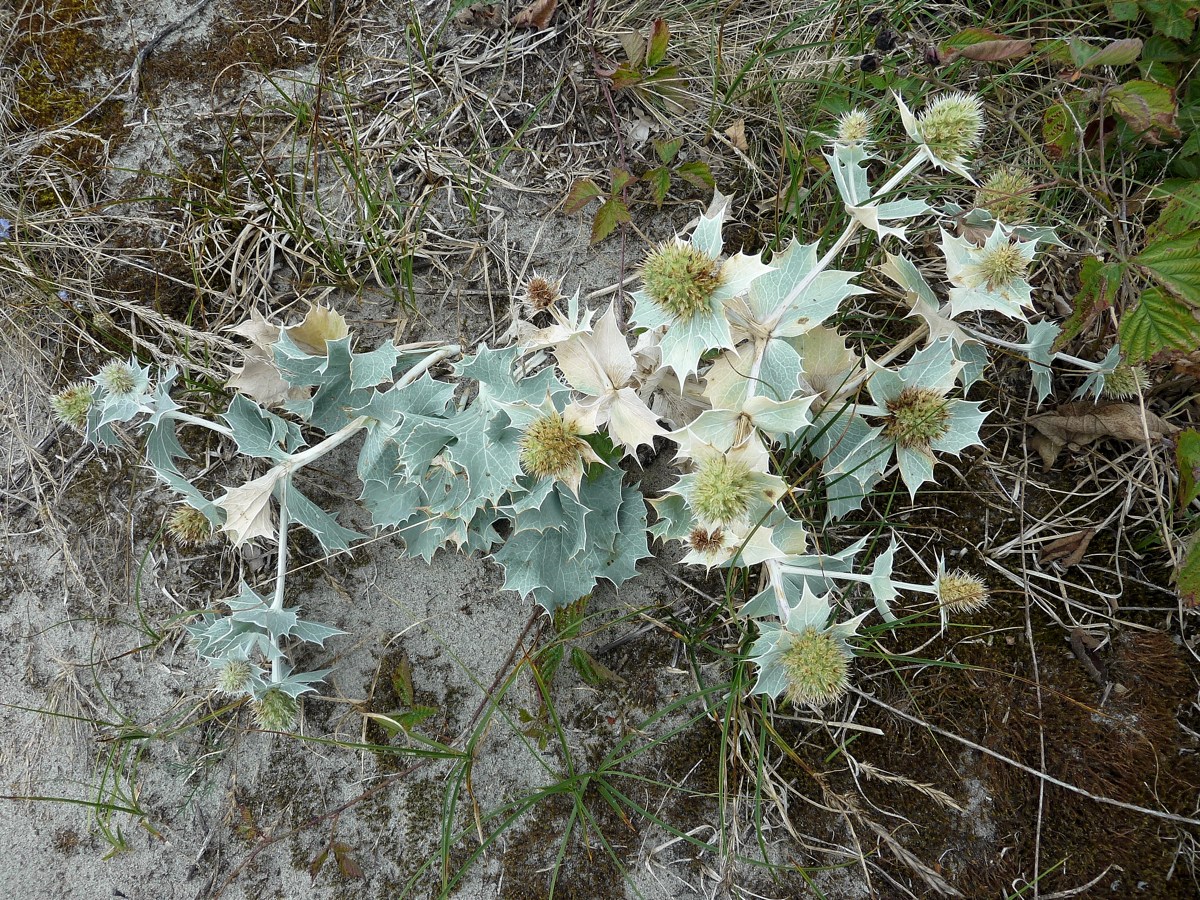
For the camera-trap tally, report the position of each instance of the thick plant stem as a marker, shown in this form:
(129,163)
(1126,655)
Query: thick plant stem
(280,568)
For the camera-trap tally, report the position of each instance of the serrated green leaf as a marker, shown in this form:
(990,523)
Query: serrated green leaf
(1098,284)
(667,150)
(1173,18)
(1123,10)
(1148,108)
(1175,264)
(611,214)
(582,191)
(1158,322)
(402,680)
(696,173)
(1180,214)
(660,182)
(1187,458)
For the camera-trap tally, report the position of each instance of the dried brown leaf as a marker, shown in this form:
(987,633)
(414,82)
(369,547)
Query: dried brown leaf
(737,135)
(996,51)
(321,324)
(1068,550)
(536,15)
(1079,424)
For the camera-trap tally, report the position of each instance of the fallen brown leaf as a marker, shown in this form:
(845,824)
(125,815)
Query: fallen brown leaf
(995,51)
(1068,550)
(536,15)
(737,135)
(1079,424)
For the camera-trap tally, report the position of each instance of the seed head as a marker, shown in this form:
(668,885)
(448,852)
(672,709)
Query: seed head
(1002,265)
(118,379)
(550,447)
(1008,195)
(722,491)
(72,404)
(952,125)
(234,677)
(854,127)
(961,592)
(917,417)
(817,668)
(276,711)
(681,279)
(1126,381)
(540,294)
(189,527)
(707,541)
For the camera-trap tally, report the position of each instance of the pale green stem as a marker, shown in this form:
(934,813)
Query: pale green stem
(280,568)
(1025,348)
(187,419)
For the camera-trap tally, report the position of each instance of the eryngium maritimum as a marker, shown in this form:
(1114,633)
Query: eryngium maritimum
(71,405)
(854,127)
(817,668)
(681,279)
(1126,381)
(722,491)
(118,378)
(952,125)
(961,592)
(550,447)
(189,527)
(276,710)
(917,417)
(1008,195)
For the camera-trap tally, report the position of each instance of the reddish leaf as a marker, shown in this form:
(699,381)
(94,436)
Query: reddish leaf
(314,867)
(625,77)
(620,180)
(1149,109)
(582,191)
(608,217)
(345,862)
(1116,53)
(667,150)
(659,35)
(536,15)
(996,51)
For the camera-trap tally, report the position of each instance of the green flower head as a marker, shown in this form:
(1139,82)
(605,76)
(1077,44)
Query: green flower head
(959,591)
(72,404)
(189,527)
(722,491)
(234,677)
(991,277)
(951,126)
(1126,381)
(1008,195)
(681,279)
(806,658)
(276,710)
(552,443)
(854,128)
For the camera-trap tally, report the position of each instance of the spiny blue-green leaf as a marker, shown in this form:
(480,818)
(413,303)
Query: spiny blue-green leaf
(162,449)
(1095,380)
(853,457)
(260,433)
(487,448)
(333,537)
(391,503)
(763,603)
(1040,337)
(369,369)
(424,398)
(314,632)
(493,369)
(882,588)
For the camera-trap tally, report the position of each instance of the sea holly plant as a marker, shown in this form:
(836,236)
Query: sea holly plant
(521,451)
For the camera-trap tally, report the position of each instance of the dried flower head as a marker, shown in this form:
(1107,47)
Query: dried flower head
(118,378)
(917,417)
(952,125)
(681,279)
(817,668)
(1008,195)
(234,677)
(961,592)
(551,447)
(722,491)
(276,710)
(1126,381)
(540,293)
(189,527)
(854,127)
(72,404)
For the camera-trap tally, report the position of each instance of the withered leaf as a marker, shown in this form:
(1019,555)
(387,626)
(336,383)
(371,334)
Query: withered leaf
(996,51)
(1082,423)
(320,324)
(1068,550)
(345,862)
(737,135)
(536,15)
(1084,646)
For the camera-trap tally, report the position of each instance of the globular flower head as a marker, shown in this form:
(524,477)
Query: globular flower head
(1008,195)
(189,527)
(722,491)
(72,404)
(552,445)
(681,279)
(1001,265)
(234,677)
(817,667)
(120,379)
(854,128)
(959,591)
(991,277)
(951,126)
(917,417)
(276,710)
(1126,381)
(540,293)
